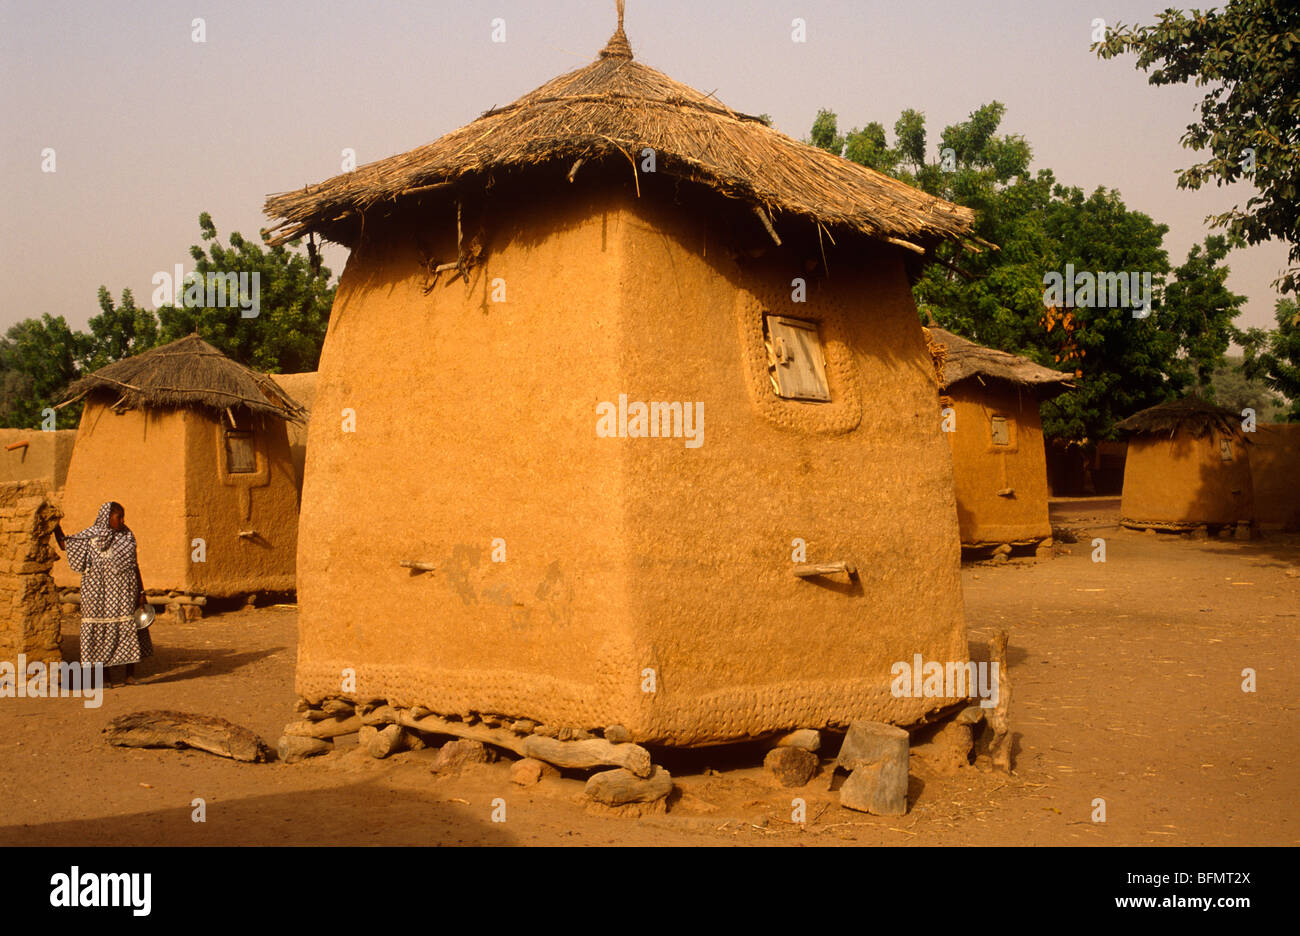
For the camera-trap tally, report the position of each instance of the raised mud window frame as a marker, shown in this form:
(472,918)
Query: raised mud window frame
(796,360)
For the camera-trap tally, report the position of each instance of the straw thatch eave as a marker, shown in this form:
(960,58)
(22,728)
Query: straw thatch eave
(613,109)
(188,373)
(1191,415)
(965,360)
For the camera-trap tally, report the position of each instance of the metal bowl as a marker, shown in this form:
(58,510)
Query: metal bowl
(144,617)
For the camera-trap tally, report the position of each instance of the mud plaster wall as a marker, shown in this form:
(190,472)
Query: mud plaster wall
(219,506)
(983,468)
(136,458)
(166,467)
(45,457)
(1275,470)
(302,387)
(1183,481)
(477,420)
(29,608)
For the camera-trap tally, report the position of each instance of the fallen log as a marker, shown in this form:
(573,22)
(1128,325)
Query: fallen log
(183,730)
(580,754)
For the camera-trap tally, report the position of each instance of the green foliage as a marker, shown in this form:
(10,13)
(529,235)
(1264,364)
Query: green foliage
(1233,389)
(1273,356)
(39,358)
(996,296)
(287,334)
(1247,56)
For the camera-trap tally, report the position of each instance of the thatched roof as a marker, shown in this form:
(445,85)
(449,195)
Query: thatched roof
(186,373)
(964,360)
(1191,414)
(612,109)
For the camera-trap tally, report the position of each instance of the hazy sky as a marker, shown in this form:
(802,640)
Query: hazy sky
(151,128)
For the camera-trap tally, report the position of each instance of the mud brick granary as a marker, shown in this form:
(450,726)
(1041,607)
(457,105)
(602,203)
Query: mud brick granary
(1188,465)
(997,440)
(572,424)
(193,445)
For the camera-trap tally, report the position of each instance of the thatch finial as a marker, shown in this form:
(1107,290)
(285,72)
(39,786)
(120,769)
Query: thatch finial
(618,46)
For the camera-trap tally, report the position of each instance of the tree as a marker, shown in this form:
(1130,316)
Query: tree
(1200,309)
(996,296)
(294,299)
(1273,357)
(1233,389)
(118,332)
(38,359)
(1248,54)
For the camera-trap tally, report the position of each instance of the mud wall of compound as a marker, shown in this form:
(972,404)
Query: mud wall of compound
(248,521)
(136,458)
(1275,474)
(29,608)
(1184,481)
(45,457)
(476,421)
(302,387)
(984,468)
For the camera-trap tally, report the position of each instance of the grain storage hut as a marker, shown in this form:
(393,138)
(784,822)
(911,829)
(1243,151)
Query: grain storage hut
(193,445)
(572,426)
(1187,466)
(996,435)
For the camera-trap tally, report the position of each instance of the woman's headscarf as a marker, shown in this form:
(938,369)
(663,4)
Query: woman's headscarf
(117,545)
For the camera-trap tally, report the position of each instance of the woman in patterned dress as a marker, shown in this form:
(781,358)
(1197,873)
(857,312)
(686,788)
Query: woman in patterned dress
(111,592)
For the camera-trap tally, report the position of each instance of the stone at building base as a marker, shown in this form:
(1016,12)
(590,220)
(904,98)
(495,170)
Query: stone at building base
(809,739)
(529,770)
(455,755)
(619,787)
(293,748)
(792,766)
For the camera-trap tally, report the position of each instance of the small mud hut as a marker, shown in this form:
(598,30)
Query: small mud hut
(1275,474)
(193,445)
(996,435)
(514,503)
(1188,466)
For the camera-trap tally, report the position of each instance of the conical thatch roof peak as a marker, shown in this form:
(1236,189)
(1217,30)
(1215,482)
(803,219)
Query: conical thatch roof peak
(964,359)
(613,108)
(1191,414)
(189,373)
(618,46)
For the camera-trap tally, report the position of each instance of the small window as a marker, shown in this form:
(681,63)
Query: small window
(241,458)
(795,360)
(1225,449)
(1000,428)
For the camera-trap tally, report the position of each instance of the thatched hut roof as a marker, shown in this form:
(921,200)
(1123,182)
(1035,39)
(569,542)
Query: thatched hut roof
(186,373)
(612,109)
(1191,414)
(964,359)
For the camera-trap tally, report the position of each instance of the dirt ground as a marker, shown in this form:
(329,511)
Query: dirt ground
(1127,685)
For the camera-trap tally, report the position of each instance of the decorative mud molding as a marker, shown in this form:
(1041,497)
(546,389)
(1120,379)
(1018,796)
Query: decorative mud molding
(843,412)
